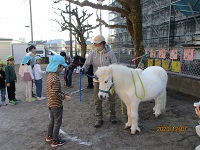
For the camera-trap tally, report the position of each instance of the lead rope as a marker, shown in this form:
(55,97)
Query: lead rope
(142,57)
(122,108)
(135,86)
(80,84)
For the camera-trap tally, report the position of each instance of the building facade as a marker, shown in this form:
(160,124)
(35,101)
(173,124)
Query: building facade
(56,45)
(166,23)
(171,36)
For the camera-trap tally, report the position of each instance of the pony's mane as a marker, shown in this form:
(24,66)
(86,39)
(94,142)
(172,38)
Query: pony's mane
(119,68)
(120,71)
(101,70)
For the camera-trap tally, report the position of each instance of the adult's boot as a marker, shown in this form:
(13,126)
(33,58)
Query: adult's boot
(98,123)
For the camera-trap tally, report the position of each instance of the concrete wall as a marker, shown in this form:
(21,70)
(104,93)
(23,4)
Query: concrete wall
(19,51)
(184,85)
(5,49)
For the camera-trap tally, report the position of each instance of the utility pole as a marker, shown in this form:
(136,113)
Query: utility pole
(31,21)
(70,31)
(100,2)
(100,24)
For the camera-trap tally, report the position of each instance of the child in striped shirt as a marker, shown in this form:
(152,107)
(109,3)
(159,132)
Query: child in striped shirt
(37,72)
(55,99)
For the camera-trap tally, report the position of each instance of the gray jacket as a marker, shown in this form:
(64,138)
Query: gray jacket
(68,60)
(99,59)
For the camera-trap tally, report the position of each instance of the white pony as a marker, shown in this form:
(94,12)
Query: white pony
(134,86)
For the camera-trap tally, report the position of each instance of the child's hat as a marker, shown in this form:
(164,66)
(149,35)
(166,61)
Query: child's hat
(55,61)
(36,58)
(9,57)
(26,59)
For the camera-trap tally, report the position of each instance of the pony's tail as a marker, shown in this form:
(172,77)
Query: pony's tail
(163,100)
(163,76)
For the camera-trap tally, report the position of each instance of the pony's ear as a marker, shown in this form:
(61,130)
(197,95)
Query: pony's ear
(108,70)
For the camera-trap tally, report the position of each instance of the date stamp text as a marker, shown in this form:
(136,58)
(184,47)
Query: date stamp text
(171,128)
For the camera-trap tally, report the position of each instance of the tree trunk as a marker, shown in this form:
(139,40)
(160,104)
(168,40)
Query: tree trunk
(83,44)
(134,26)
(83,49)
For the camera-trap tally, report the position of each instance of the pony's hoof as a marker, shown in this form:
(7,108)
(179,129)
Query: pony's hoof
(157,115)
(127,127)
(134,131)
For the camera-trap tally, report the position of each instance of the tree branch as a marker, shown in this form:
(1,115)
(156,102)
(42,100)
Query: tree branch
(97,6)
(123,2)
(111,26)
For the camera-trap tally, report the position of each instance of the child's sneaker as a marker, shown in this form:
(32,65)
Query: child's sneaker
(31,99)
(12,102)
(40,98)
(49,138)
(4,104)
(59,142)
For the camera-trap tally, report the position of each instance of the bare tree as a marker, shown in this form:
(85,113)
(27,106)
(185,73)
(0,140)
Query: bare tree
(131,10)
(79,25)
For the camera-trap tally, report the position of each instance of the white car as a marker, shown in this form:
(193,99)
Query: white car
(40,52)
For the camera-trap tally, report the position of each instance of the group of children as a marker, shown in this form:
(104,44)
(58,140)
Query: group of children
(32,74)
(7,79)
(29,73)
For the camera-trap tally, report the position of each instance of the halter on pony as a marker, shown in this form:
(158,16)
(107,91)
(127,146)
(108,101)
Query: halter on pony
(108,91)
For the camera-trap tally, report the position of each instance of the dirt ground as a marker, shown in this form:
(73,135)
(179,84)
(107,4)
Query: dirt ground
(24,126)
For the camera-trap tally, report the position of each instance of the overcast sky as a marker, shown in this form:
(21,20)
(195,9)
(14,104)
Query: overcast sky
(15,15)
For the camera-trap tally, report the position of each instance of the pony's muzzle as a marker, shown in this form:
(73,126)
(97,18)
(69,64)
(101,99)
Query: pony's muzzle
(102,96)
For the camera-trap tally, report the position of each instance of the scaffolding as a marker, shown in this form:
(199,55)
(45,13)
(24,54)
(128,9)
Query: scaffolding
(166,23)
(120,37)
(169,23)
(171,36)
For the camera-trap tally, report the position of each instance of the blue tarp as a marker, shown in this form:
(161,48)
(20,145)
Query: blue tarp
(187,7)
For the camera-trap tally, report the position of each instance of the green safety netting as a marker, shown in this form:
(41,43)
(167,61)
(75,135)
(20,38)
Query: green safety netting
(187,7)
